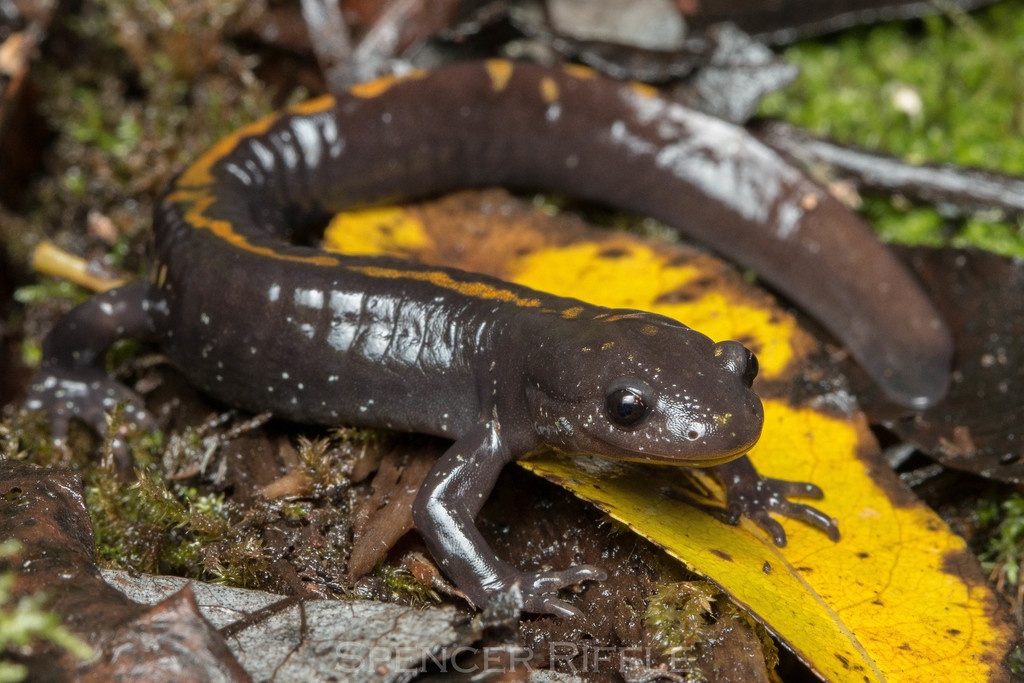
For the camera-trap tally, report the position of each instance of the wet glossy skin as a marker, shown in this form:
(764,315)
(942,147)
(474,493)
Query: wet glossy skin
(570,378)
(262,322)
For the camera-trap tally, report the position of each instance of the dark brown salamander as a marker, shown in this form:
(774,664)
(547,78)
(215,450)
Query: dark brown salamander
(262,322)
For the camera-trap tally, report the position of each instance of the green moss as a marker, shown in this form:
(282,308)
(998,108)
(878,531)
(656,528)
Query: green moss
(47,289)
(31,352)
(122,352)
(24,434)
(904,224)
(1004,555)
(679,614)
(159,526)
(1015,660)
(1003,238)
(241,562)
(328,461)
(156,526)
(167,523)
(404,586)
(945,89)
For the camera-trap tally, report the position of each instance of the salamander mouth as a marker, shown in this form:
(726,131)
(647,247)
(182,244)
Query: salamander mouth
(703,461)
(712,462)
(690,460)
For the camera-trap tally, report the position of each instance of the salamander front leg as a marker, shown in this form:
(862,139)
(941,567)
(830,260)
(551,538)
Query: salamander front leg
(444,514)
(72,381)
(749,494)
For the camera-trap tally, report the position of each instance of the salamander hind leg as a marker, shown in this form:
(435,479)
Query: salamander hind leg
(72,382)
(444,513)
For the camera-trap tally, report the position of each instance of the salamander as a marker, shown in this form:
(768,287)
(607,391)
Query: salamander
(243,303)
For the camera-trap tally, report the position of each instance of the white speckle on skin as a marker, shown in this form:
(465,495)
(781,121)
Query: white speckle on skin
(289,155)
(161,305)
(310,298)
(754,188)
(239,173)
(329,132)
(346,307)
(309,140)
(274,293)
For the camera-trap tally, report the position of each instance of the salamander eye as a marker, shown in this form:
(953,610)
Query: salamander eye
(626,403)
(625,407)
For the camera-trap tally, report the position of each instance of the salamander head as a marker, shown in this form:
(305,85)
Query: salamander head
(638,386)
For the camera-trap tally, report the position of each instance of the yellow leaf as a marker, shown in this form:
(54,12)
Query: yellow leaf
(376,230)
(623,272)
(890,602)
(898,598)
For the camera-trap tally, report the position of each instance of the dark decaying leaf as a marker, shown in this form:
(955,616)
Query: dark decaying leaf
(738,72)
(312,641)
(44,509)
(387,514)
(979,426)
(723,71)
(649,24)
(951,188)
(385,32)
(784,22)
(618,54)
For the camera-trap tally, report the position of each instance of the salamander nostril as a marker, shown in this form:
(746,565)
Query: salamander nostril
(737,359)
